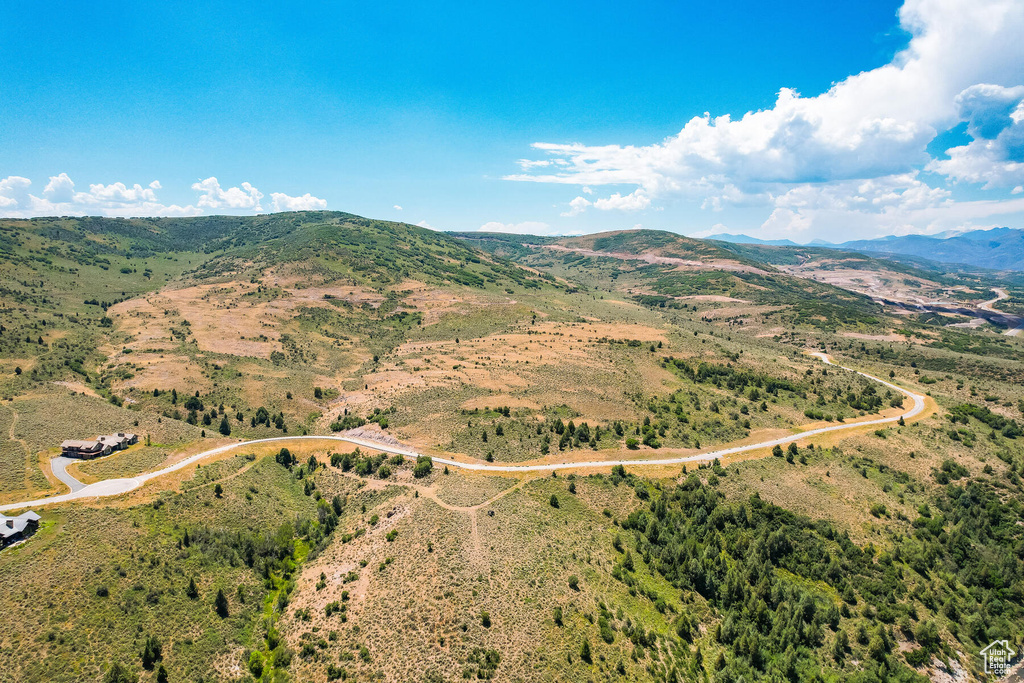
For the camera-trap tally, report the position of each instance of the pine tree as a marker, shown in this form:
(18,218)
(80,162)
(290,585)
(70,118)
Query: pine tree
(220,603)
(152,652)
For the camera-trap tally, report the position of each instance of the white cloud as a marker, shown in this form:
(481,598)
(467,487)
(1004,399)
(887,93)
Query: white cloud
(212,196)
(837,217)
(577,206)
(527,164)
(306,202)
(424,224)
(872,126)
(14,192)
(60,197)
(995,119)
(396,207)
(634,201)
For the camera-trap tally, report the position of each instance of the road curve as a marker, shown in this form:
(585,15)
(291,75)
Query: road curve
(59,466)
(114,487)
(988,306)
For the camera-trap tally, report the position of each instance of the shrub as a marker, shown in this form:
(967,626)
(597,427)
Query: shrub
(554,501)
(117,673)
(574,582)
(424,465)
(256,664)
(918,657)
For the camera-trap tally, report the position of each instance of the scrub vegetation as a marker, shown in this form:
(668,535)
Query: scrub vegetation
(878,553)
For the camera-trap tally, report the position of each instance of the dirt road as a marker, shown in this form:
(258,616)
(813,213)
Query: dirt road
(114,487)
(989,306)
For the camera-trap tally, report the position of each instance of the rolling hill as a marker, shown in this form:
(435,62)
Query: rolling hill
(881,551)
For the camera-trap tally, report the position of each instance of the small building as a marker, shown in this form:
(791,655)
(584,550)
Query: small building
(14,529)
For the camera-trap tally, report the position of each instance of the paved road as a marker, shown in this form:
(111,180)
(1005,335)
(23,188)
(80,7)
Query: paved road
(59,467)
(113,487)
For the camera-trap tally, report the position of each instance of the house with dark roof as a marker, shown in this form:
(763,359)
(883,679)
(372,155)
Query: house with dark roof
(119,441)
(84,449)
(14,529)
(101,445)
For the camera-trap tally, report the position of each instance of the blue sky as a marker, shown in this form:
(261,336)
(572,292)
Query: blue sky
(133,109)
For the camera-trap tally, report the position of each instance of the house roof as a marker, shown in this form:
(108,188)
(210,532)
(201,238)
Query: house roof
(116,438)
(89,445)
(9,526)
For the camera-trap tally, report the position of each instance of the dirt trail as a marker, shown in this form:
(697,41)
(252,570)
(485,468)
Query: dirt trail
(990,307)
(430,492)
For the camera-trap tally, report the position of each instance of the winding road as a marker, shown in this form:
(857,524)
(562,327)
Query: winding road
(988,306)
(114,487)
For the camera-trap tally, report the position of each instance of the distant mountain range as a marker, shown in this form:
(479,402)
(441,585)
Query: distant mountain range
(998,248)
(747,239)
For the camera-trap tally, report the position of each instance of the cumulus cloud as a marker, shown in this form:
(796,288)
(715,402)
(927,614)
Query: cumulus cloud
(396,207)
(634,201)
(872,125)
(61,197)
(995,119)
(14,192)
(306,202)
(894,205)
(213,196)
(577,206)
